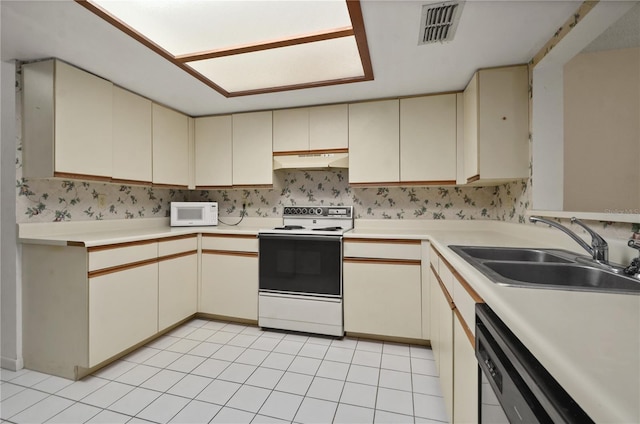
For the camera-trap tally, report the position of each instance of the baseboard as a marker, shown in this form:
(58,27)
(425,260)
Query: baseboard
(11,364)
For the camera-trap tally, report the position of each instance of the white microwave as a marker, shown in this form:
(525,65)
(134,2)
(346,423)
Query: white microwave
(187,214)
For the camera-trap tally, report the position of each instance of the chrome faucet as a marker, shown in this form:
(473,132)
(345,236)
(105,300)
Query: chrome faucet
(599,249)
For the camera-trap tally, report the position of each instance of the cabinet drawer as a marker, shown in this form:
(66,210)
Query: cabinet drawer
(177,245)
(383,249)
(109,256)
(230,242)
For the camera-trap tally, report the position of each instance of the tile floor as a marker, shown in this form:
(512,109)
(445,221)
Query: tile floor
(219,372)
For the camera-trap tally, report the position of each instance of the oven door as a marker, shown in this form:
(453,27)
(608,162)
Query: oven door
(300,264)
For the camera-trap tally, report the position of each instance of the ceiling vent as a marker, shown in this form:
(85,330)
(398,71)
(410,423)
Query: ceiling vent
(439,21)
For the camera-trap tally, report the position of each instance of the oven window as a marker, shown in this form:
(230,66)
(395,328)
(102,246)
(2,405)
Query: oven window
(301,265)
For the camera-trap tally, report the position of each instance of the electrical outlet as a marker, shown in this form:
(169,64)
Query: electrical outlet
(102,200)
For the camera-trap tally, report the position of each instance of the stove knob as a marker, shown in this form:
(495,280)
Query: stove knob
(318,211)
(287,211)
(304,211)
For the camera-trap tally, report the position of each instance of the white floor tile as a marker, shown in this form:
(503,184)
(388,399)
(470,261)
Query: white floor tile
(263,419)
(311,350)
(162,381)
(326,389)
(30,378)
(304,365)
(8,375)
(336,370)
(76,413)
(397,401)
(350,414)
(423,366)
(195,323)
(186,363)
(296,337)
(234,328)
(211,368)
(243,340)
(107,394)
(183,345)
(43,410)
(228,353)
(320,340)
(364,375)
(281,405)
(265,377)
(215,325)
(238,373)
(81,388)
(396,349)
(190,386)
(359,395)
(196,412)
(339,354)
(366,358)
(289,347)
(134,401)
(369,346)
(346,343)
(205,349)
(218,392)
(141,355)
(430,407)
(163,409)
(182,331)
(138,375)
(426,384)
(273,334)
(396,363)
(7,390)
(162,359)
(115,370)
(109,417)
(53,384)
(280,361)
(252,357)
(163,342)
(249,398)
(221,337)
(230,416)
(395,380)
(265,343)
(315,411)
(200,334)
(421,352)
(252,331)
(384,417)
(294,383)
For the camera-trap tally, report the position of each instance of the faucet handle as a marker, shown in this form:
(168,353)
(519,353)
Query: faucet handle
(634,244)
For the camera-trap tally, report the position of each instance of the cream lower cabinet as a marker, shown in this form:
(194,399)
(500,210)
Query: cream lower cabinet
(452,340)
(177,280)
(382,288)
(123,310)
(229,276)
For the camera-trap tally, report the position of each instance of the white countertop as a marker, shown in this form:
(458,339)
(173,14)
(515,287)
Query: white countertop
(590,342)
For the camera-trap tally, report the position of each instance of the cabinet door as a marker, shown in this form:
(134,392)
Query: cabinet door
(177,289)
(445,329)
(374,147)
(291,130)
(123,310)
(470,133)
(83,122)
(230,285)
(132,152)
(213,157)
(252,149)
(382,299)
(329,127)
(428,139)
(170,147)
(465,384)
(434,315)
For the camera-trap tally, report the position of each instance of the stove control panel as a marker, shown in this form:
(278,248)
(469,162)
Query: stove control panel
(318,211)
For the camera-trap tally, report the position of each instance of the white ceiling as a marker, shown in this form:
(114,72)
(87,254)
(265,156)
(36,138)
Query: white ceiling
(490,33)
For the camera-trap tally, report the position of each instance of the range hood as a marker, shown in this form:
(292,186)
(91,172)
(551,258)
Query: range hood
(311,161)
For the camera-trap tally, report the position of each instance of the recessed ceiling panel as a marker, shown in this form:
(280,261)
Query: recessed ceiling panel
(326,60)
(190,26)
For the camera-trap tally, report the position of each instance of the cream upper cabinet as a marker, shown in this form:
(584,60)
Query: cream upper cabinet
(428,133)
(374,148)
(67,121)
(291,130)
(496,125)
(170,147)
(213,151)
(329,127)
(132,143)
(252,148)
(311,129)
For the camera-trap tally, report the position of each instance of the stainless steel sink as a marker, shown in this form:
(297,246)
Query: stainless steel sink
(545,268)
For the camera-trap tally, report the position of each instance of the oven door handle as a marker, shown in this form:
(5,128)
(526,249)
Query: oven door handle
(305,237)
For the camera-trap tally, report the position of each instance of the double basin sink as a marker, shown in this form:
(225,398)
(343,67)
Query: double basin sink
(545,268)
